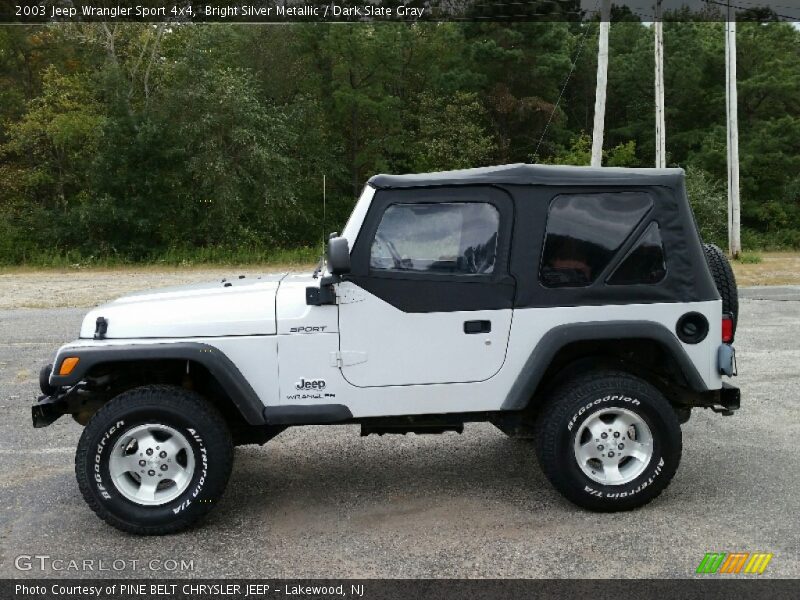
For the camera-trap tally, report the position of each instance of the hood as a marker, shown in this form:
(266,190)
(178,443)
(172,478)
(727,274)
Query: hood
(232,306)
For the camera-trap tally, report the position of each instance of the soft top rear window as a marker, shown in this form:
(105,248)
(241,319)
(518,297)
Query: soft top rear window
(585,231)
(645,262)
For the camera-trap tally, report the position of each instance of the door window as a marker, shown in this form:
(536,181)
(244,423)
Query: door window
(448,238)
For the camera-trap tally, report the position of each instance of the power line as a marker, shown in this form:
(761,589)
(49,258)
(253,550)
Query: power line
(759,4)
(739,7)
(564,87)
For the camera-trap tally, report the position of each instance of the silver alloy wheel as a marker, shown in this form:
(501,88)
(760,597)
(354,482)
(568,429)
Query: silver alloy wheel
(151,464)
(613,446)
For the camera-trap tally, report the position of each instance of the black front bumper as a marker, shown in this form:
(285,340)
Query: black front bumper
(48,409)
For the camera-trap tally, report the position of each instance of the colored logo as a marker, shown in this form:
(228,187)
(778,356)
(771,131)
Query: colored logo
(734,562)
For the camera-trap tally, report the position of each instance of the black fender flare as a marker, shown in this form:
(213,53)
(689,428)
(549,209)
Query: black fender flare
(218,364)
(532,372)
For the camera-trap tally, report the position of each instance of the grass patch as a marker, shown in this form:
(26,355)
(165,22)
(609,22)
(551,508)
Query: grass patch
(774,268)
(749,258)
(174,257)
(237,256)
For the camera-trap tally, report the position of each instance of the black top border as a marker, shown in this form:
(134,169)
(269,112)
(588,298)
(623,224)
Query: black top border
(397,11)
(700,587)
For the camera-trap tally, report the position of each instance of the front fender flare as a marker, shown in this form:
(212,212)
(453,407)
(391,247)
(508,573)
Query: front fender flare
(218,364)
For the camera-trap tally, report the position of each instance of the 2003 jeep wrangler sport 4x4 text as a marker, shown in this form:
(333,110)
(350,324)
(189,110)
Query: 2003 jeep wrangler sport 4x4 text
(575,306)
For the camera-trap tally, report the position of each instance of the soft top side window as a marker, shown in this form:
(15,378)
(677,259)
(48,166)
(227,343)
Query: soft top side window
(585,231)
(448,238)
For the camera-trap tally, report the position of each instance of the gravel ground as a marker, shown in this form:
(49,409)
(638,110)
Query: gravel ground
(323,502)
(76,288)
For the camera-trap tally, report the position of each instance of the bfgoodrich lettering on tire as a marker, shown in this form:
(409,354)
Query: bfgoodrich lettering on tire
(154,460)
(608,441)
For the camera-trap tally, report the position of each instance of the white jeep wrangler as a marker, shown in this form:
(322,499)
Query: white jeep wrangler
(572,305)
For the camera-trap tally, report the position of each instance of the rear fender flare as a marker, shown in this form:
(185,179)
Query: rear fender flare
(532,372)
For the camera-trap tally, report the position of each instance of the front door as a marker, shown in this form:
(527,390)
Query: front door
(429,299)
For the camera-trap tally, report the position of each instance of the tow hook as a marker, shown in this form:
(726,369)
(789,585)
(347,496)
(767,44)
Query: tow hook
(729,400)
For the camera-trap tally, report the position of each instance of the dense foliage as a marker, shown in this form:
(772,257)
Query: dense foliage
(137,141)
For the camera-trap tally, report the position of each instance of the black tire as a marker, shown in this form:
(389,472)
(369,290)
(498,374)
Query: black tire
(185,412)
(581,399)
(724,279)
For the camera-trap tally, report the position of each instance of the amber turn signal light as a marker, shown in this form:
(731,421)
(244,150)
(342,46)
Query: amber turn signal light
(68,365)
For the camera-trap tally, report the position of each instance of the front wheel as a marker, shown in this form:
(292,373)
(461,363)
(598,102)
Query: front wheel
(609,441)
(154,460)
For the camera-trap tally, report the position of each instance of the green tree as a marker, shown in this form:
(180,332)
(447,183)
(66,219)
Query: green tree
(452,134)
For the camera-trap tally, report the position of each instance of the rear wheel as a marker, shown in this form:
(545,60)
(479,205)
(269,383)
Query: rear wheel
(609,441)
(154,460)
(724,279)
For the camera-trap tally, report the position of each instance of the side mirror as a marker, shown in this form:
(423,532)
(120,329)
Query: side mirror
(338,256)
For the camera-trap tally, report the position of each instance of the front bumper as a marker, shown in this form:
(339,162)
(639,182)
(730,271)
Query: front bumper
(54,402)
(48,409)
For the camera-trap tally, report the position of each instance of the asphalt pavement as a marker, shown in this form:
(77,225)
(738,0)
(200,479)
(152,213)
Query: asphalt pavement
(324,502)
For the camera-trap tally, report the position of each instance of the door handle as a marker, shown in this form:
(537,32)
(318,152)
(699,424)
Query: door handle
(477,327)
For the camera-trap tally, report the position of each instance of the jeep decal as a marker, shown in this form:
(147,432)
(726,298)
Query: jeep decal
(310,384)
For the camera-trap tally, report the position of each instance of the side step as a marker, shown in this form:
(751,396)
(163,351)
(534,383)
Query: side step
(404,429)
(306,414)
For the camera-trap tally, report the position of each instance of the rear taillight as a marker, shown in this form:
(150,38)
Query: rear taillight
(727,329)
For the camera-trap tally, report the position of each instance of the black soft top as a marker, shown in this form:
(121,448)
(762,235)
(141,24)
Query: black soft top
(525,174)
(532,187)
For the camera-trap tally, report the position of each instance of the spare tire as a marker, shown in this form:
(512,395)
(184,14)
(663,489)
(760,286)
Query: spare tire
(724,280)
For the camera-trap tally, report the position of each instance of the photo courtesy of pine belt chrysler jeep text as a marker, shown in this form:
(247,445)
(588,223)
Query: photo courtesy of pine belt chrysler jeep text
(574,306)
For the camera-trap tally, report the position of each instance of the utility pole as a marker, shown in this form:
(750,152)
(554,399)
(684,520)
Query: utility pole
(602,85)
(661,129)
(732,100)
